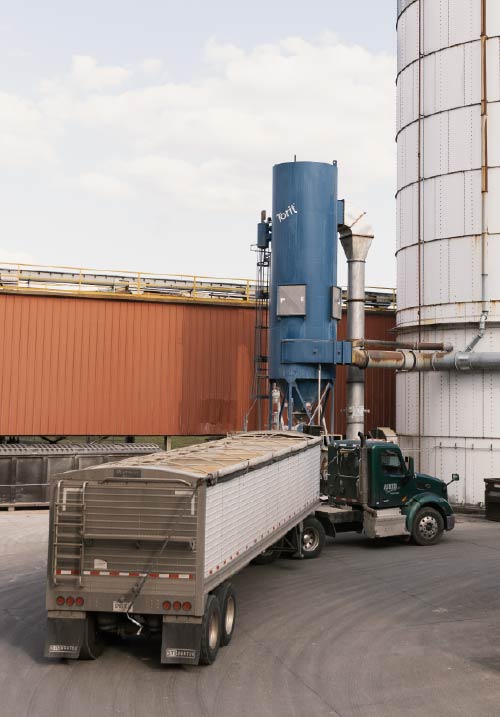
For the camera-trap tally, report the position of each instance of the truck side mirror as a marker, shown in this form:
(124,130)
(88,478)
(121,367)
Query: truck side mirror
(454,477)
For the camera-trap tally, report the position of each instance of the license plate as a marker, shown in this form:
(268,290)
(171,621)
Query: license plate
(121,606)
(172,652)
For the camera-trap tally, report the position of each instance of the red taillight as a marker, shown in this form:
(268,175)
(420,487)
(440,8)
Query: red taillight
(186,606)
(167,605)
(79,601)
(70,601)
(60,600)
(177,605)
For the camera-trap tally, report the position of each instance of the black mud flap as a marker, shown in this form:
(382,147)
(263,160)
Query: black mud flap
(64,638)
(180,643)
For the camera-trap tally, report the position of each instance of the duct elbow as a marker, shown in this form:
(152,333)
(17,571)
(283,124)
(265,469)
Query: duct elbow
(356,233)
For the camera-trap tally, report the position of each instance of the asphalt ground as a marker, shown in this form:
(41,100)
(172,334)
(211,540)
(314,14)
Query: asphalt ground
(370,629)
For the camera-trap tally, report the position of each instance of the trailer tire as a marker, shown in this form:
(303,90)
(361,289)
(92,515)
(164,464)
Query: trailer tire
(210,631)
(92,645)
(428,526)
(313,538)
(227,601)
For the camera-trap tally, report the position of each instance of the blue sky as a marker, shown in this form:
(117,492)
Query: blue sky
(142,135)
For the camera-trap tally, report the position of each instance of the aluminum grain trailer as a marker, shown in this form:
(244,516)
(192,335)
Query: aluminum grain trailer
(148,544)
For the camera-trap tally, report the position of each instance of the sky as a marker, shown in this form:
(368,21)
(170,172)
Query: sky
(142,136)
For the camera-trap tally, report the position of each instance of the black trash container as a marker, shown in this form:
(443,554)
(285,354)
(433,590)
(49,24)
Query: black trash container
(492,498)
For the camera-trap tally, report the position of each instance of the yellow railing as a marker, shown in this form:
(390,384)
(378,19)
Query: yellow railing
(123,284)
(103,283)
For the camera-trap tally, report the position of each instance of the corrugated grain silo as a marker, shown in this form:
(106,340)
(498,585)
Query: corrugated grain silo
(448,247)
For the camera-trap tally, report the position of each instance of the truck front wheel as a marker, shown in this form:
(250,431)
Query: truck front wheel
(428,526)
(210,631)
(313,537)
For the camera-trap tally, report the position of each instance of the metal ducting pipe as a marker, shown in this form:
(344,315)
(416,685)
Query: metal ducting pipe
(356,236)
(412,345)
(437,361)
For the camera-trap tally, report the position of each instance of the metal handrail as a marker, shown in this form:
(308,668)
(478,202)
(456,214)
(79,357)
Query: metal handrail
(131,285)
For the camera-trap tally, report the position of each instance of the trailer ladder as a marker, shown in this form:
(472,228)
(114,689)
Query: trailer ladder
(68,532)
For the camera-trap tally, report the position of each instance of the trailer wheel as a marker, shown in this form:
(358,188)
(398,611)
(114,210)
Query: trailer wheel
(227,601)
(92,645)
(428,526)
(210,631)
(313,537)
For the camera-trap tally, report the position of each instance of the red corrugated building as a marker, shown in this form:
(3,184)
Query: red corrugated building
(79,366)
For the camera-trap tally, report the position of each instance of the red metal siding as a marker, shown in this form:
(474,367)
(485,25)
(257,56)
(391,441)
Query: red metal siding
(380,386)
(75,366)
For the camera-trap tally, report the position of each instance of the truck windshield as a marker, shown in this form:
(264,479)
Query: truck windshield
(349,464)
(391,463)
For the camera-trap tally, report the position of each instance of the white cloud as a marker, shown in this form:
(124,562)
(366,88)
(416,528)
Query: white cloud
(105,185)
(87,73)
(151,66)
(25,137)
(10,256)
(207,145)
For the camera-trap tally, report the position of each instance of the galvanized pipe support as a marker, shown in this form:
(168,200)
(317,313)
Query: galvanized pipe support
(356,236)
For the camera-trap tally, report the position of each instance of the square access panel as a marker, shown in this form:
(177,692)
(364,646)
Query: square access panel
(292,300)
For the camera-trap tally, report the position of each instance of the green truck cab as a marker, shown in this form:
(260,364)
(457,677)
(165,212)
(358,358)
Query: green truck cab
(371,488)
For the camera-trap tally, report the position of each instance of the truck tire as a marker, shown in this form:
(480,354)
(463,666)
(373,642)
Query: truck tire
(210,631)
(92,645)
(227,601)
(428,526)
(313,538)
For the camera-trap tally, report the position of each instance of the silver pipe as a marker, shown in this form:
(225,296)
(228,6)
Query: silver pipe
(437,361)
(356,236)
(412,345)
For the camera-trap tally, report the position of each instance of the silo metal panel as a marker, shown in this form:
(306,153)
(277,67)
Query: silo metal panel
(492,17)
(408,31)
(436,272)
(464,20)
(403,4)
(494,137)
(465,258)
(464,139)
(472,66)
(435,144)
(450,205)
(407,160)
(450,458)
(452,66)
(494,207)
(407,96)
(493,70)
(436,403)
(472,202)
(435,25)
(407,213)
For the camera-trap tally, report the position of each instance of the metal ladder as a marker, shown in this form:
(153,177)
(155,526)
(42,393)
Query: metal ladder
(260,386)
(68,532)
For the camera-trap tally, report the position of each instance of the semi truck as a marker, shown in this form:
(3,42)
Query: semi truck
(149,545)
(370,488)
